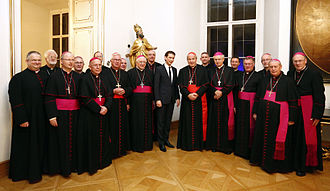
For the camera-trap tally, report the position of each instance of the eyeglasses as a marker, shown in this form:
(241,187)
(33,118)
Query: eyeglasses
(70,60)
(117,60)
(78,62)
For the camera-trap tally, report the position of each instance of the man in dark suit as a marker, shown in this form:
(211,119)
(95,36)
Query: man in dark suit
(166,94)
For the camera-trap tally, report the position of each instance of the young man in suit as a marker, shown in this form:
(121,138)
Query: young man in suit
(166,94)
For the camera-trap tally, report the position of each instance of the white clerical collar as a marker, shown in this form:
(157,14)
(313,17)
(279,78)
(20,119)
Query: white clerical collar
(220,66)
(302,69)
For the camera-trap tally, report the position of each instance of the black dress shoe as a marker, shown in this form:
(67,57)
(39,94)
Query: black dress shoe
(300,173)
(167,143)
(162,147)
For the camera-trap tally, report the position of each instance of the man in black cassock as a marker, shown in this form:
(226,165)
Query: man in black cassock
(265,59)
(120,87)
(28,133)
(275,110)
(166,94)
(51,60)
(62,106)
(193,83)
(140,114)
(152,65)
(247,84)
(234,62)
(94,141)
(221,121)
(308,150)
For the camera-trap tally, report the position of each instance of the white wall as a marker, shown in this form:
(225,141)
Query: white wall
(327,96)
(277,16)
(5,115)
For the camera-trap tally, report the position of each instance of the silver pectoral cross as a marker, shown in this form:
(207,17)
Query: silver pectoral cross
(68,89)
(219,83)
(190,82)
(142,84)
(118,85)
(99,96)
(242,89)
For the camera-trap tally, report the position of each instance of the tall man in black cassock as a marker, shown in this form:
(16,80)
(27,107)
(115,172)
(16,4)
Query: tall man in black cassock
(152,65)
(94,141)
(308,151)
(140,102)
(220,130)
(121,89)
(247,84)
(166,94)
(28,133)
(265,59)
(62,106)
(275,110)
(193,83)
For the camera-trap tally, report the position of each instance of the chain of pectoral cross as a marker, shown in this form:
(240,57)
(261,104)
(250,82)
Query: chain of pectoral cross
(219,78)
(192,76)
(273,86)
(117,79)
(66,82)
(244,83)
(98,88)
(141,79)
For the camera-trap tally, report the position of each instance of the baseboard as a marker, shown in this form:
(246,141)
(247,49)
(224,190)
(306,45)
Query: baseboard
(4,167)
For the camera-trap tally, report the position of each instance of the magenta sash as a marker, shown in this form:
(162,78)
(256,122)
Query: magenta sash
(144,89)
(194,89)
(97,100)
(231,119)
(279,153)
(249,96)
(306,104)
(67,104)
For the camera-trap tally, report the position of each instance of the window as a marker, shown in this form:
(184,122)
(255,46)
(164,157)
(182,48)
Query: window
(60,32)
(231,27)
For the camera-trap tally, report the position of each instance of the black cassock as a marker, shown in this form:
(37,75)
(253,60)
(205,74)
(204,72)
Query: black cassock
(272,146)
(140,113)
(94,141)
(48,70)
(247,84)
(27,144)
(308,148)
(190,134)
(221,119)
(119,114)
(61,101)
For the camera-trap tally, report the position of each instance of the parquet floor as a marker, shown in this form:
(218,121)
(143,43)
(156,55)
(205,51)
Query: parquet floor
(178,170)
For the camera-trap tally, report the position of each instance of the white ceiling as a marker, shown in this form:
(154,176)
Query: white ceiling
(51,4)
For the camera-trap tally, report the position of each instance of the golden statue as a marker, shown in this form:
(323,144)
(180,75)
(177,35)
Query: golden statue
(140,47)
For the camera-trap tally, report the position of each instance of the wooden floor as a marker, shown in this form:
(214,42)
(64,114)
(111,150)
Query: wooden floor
(178,170)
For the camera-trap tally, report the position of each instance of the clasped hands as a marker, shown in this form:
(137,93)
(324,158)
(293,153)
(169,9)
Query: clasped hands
(119,91)
(217,94)
(193,96)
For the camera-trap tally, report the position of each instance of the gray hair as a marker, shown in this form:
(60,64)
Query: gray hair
(50,51)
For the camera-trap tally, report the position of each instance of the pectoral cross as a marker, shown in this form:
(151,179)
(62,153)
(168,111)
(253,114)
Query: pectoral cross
(68,89)
(118,85)
(99,96)
(242,89)
(270,93)
(219,83)
(142,84)
(190,82)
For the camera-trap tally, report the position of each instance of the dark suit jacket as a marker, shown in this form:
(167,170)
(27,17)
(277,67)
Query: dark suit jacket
(164,90)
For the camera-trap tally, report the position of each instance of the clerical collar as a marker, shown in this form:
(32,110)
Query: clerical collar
(302,69)
(66,71)
(276,78)
(247,73)
(139,69)
(37,71)
(50,67)
(114,69)
(205,65)
(220,66)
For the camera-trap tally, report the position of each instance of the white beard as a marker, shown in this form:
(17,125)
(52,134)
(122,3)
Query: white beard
(52,63)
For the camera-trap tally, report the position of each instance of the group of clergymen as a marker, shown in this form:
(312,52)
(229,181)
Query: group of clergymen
(72,121)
